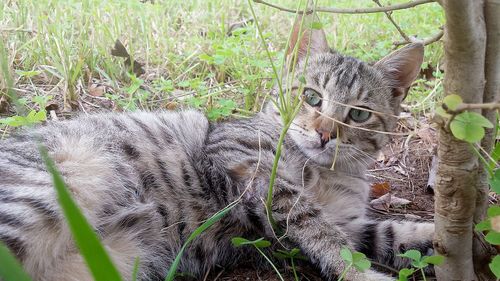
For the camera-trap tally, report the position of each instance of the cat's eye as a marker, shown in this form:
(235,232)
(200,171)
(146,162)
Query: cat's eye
(358,115)
(312,97)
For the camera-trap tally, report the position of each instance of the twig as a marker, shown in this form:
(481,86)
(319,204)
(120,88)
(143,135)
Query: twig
(425,41)
(389,17)
(17,29)
(352,10)
(468,106)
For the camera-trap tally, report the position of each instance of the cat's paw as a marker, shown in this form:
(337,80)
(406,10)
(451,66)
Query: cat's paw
(371,275)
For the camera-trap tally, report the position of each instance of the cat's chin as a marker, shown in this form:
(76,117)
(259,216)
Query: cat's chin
(321,156)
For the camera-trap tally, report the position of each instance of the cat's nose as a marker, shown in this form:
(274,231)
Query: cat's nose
(325,136)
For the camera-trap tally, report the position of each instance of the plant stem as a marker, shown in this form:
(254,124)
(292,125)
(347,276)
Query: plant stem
(423,274)
(345,272)
(270,262)
(269,200)
(294,271)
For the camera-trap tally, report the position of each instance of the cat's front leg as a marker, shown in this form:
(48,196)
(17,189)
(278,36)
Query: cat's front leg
(304,223)
(383,241)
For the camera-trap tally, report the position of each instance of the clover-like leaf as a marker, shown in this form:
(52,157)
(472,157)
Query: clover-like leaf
(495,266)
(346,254)
(436,259)
(493,237)
(469,126)
(452,101)
(493,211)
(483,226)
(412,254)
(495,181)
(405,273)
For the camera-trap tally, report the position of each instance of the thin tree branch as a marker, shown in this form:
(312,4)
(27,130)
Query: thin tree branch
(427,41)
(389,17)
(352,10)
(469,106)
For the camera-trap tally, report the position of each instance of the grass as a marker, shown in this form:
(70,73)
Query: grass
(62,49)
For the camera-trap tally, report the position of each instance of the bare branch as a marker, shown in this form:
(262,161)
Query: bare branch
(427,41)
(399,29)
(352,10)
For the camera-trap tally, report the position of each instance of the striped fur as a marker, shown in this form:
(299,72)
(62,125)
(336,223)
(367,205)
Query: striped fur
(145,181)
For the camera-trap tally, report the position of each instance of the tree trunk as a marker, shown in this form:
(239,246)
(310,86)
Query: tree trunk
(482,251)
(457,174)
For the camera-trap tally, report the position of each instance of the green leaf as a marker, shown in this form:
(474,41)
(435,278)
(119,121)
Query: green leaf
(495,182)
(482,226)
(495,154)
(302,79)
(93,252)
(436,259)
(11,269)
(452,101)
(419,264)
(316,25)
(239,241)
(259,243)
(405,273)
(362,265)
(468,126)
(346,254)
(135,269)
(495,266)
(493,237)
(412,254)
(493,211)
(208,223)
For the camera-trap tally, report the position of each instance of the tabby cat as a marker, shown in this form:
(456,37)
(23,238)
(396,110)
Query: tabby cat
(146,180)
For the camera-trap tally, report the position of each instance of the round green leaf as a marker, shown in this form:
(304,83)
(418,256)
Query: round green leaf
(493,211)
(412,254)
(405,273)
(452,101)
(493,237)
(495,266)
(482,226)
(466,127)
(495,182)
(362,265)
(346,254)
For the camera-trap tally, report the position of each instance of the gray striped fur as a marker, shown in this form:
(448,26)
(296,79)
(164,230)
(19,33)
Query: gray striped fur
(145,181)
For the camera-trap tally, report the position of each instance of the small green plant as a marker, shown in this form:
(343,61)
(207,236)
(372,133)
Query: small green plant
(419,263)
(292,255)
(258,244)
(353,259)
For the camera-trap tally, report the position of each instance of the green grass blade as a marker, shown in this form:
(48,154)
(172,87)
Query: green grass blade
(136,269)
(10,268)
(208,223)
(92,250)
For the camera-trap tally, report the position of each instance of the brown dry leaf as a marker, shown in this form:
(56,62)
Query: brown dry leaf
(96,90)
(171,105)
(4,104)
(119,50)
(379,189)
(51,106)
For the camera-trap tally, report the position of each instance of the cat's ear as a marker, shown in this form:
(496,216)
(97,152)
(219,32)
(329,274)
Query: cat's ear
(401,67)
(308,38)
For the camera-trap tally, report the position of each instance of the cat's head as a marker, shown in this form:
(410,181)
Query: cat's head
(347,103)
